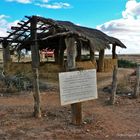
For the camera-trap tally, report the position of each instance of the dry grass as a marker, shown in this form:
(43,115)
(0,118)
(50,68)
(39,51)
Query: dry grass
(50,71)
(86,64)
(47,71)
(124,85)
(109,64)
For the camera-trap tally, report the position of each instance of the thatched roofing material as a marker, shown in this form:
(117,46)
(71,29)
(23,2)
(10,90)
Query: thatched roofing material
(53,30)
(98,40)
(89,32)
(117,42)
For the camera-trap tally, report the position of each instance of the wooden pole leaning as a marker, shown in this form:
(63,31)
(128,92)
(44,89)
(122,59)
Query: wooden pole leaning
(114,85)
(35,64)
(71,66)
(137,86)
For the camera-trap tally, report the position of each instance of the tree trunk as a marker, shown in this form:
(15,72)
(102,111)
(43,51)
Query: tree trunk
(114,85)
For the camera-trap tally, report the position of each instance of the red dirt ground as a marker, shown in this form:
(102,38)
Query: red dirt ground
(100,120)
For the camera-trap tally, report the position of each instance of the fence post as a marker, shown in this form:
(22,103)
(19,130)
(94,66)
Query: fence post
(136,89)
(114,85)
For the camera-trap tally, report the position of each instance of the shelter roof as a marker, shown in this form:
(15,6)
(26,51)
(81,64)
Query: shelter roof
(49,30)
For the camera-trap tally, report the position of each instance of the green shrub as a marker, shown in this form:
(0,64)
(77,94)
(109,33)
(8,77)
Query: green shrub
(126,64)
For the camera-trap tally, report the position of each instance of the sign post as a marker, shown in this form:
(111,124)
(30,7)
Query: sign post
(76,87)
(73,85)
(76,113)
(136,90)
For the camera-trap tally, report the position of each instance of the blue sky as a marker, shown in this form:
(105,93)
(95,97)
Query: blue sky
(118,18)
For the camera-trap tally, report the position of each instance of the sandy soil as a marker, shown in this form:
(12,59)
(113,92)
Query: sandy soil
(100,120)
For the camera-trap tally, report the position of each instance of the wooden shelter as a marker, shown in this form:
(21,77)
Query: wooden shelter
(36,33)
(48,33)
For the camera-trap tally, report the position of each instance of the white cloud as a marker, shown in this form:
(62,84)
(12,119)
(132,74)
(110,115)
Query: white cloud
(20,1)
(3,32)
(3,16)
(45,1)
(127,29)
(78,24)
(5,25)
(132,9)
(53,5)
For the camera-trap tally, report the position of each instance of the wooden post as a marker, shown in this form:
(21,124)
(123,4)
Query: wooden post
(101,61)
(76,113)
(137,86)
(71,55)
(36,94)
(35,65)
(61,52)
(79,46)
(71,52)
(6,55)
(92,55)
(114,56)
(56,55)
(114,85)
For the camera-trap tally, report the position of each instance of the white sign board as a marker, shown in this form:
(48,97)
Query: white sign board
(77,86)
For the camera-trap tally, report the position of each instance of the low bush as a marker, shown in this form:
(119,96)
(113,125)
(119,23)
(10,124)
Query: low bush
(126,64)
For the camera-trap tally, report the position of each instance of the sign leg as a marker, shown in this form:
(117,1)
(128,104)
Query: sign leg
(76,113)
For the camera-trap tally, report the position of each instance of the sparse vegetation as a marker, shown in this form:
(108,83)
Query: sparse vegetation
(13,83)
(126,64)
(124,86)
